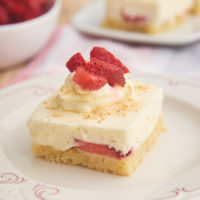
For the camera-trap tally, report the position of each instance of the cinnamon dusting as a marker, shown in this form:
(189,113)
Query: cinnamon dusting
(119,109)
(140,89)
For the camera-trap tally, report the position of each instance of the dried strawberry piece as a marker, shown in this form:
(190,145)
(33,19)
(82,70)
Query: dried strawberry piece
(75,61)
(106,56)
(22,10)
(12,8)
(4,16)
(101,149)
(19,12)
(46,5)
(31,15)
(9,4)
(34,5)
(87,80)
(113,74)
(39,6)
(33,9)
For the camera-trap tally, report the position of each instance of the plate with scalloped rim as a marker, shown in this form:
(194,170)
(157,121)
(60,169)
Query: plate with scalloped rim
(88,20)
(171,170)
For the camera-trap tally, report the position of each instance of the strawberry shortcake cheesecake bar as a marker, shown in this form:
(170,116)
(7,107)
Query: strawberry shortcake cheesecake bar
(148,16)
(99,118)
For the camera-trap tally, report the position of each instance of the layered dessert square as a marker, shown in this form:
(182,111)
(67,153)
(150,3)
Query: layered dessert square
(148,16)
(99,118)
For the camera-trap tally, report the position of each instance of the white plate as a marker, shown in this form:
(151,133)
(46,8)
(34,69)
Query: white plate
(170,171)
(88,20)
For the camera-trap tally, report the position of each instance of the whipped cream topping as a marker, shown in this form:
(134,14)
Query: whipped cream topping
(71,97)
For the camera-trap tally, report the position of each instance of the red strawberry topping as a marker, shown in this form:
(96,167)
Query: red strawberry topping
(22,10)
(4,16)
(113,74)
(75,61)
(106,56)
(87,80)
(101,149)
(102,68)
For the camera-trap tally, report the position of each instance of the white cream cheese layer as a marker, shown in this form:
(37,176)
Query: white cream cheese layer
(58,128)
(156,12)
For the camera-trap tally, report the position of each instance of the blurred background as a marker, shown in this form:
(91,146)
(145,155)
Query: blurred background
(40,43)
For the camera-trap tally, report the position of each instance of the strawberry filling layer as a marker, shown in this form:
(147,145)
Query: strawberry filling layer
(133,19)
(100,149)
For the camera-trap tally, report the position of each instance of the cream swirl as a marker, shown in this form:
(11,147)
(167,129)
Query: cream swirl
(71,97)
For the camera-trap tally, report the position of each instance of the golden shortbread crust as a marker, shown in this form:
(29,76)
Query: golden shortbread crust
(74,156)
(147,28)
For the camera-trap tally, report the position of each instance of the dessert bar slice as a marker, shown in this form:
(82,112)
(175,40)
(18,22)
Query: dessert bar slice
(99,118)
(148,16)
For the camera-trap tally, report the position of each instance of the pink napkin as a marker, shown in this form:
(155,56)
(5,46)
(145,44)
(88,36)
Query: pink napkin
(180,62)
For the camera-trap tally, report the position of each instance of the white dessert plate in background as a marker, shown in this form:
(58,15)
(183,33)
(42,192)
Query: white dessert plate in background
(88,20)
(171,170)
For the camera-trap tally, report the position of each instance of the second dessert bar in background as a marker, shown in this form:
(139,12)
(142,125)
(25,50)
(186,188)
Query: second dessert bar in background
(148,16)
